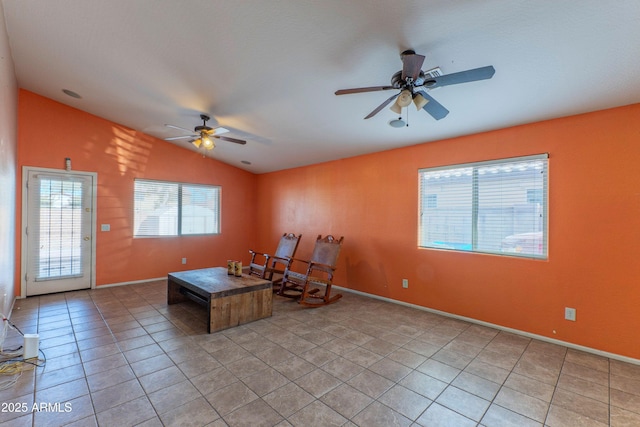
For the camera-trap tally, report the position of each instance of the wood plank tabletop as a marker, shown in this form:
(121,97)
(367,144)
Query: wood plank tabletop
(216,282)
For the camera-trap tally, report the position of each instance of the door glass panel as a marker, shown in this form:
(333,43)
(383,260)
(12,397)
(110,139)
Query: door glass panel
(60,226)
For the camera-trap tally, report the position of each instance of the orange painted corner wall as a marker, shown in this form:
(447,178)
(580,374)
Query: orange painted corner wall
(594,229)
(48,132)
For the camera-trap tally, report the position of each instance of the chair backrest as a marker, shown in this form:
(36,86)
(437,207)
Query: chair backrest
(288,245)
(327,250)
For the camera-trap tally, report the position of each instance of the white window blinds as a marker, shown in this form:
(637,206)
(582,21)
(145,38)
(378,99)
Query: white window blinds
(200,209)
(57,226)
(174,209)
(497,207)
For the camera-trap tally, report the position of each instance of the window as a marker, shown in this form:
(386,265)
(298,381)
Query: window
(174,209)
(497,207)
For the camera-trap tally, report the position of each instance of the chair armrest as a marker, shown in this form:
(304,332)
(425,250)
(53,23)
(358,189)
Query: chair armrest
(304,261)
(291,261)
(312,266)
(253,257)
(285,260)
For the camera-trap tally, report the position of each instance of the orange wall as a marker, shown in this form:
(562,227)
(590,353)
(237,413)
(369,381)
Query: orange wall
(594,229)
(49,131)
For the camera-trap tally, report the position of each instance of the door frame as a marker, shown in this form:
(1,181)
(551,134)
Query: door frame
(23,232)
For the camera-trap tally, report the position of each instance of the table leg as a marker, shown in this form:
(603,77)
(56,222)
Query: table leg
(173,292)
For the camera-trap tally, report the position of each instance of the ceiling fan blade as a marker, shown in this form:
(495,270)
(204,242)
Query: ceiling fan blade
(227,138)
(412,65)
(381,106)
(481,73)
(217,131)
(174,138)
(433,107)
(179,128)
(363,89)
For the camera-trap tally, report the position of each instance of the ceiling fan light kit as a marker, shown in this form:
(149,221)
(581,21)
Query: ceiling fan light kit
(404,100)
(413,83)
(204,134)
(420,101)
(207,142)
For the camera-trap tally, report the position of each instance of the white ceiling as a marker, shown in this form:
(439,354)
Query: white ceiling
(268,70)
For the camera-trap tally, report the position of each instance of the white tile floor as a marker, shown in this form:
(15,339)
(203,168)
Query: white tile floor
(122,357)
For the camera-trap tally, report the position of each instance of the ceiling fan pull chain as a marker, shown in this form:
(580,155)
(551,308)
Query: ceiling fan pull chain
(407,125)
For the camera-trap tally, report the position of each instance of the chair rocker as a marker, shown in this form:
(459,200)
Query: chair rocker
(318,273)
(265,266)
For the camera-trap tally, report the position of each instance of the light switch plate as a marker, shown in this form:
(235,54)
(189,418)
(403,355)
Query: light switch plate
(570,314)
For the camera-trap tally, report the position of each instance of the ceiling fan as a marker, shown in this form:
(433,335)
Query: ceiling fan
(413,84)
(203,134)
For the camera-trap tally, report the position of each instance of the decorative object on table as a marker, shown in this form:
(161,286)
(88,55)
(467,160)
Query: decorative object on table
(237,268)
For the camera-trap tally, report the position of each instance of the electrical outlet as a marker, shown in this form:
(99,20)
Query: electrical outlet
(405,283)
(570,314)
(184,260)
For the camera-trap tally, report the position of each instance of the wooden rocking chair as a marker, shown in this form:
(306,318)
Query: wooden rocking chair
(264,265)
(318,273)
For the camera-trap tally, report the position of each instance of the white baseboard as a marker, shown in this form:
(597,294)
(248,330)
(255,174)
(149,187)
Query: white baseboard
(502,328)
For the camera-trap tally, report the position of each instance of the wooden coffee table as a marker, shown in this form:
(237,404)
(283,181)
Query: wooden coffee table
(230,300)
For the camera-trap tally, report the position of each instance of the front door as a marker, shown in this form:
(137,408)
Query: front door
(59,231)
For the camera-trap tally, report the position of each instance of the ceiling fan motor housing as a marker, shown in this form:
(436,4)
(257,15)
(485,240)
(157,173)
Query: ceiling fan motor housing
(204,126)
(399,83)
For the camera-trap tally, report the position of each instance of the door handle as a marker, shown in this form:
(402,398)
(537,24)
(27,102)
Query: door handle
(87,238)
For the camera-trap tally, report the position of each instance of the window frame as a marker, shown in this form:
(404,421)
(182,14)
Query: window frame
(423,202)
(179,208)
